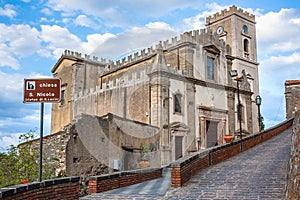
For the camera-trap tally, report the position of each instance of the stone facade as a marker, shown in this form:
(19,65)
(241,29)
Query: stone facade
(293,174)
(181,86)
(237,28)
(292,97)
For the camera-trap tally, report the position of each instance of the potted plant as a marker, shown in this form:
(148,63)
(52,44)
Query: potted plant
(228,138)
(144,162)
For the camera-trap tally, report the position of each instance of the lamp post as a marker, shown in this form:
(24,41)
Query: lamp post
(258,103)
(233,73)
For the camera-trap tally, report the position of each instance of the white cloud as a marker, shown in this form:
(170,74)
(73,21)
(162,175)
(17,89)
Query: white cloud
(278,31)
(83,20)
(46,11)
(275,70)
(7,140)
(8,11)
(198,21)
(17,40)
(121,13)
(273,107)
(129,41)
(148,7)
(94,41)
(58,39)
(158,25)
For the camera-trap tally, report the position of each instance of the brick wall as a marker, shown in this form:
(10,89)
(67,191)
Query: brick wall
(293,173)
(56,189)
(122,179)
(183,169)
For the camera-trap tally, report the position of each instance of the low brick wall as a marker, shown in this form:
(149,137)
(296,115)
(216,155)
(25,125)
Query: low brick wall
(293,173)
(122,179)
(183,169)
(55,189)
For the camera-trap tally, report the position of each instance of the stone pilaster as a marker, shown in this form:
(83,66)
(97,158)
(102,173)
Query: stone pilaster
(249,114)
(231,111)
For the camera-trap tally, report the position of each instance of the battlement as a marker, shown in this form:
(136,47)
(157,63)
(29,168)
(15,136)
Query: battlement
(145,53)
(192,37)
(130,79)
(86,57)
(203,36)
(232,10)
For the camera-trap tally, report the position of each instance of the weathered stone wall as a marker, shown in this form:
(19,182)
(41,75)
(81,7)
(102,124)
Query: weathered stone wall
(105,138)
(292,97)
(293,175)
(54,150)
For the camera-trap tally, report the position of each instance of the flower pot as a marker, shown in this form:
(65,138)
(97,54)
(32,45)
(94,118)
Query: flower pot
(228,138)
(144,163)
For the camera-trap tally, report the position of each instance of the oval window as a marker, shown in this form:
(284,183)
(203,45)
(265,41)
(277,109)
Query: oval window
(245,29)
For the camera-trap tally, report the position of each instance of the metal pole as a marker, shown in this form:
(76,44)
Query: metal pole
(239,108)
(41,142)
(259,118)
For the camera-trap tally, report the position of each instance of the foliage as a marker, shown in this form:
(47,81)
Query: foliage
(22,162)
(262,126)
(144,149)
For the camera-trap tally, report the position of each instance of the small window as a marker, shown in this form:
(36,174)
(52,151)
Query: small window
(245,29)
(177,103)
(210,68)
(246,45)
(62,98)
(246,48)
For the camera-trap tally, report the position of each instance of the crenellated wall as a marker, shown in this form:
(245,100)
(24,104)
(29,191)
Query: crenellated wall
(232,10)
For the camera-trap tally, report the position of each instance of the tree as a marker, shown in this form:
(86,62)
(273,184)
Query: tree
(262,127)
(21,162)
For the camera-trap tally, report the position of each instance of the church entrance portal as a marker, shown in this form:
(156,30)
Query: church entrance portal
(212,133)
(178,147)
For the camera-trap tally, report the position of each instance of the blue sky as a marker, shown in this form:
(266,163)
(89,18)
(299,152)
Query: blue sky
(34,33)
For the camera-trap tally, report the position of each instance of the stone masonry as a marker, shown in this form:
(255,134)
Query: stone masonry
(293,172)
(292,97)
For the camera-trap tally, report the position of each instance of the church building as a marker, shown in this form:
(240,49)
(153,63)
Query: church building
(182,86)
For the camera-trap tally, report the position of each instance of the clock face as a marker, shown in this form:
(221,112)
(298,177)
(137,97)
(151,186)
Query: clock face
(219,30)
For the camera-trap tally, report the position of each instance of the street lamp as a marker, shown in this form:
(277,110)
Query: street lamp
(234,73)
(258,103)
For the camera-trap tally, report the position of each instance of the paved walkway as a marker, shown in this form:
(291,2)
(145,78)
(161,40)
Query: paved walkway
(258,173)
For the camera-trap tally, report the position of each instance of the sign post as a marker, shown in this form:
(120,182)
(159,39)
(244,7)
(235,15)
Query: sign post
(42,91)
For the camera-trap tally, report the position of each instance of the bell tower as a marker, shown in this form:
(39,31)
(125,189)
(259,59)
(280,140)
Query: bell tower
(237,28)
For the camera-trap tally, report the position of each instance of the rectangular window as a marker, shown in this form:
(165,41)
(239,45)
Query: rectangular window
(177,103)
(62,98)
(210,68)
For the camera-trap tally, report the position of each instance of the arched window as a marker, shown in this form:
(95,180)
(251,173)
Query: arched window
(245,29)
